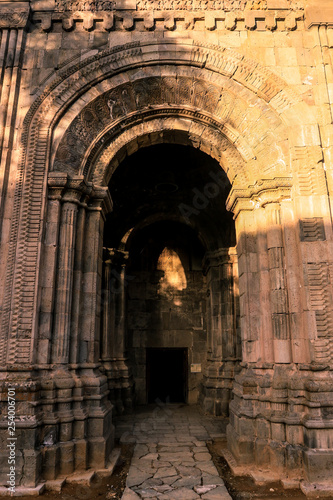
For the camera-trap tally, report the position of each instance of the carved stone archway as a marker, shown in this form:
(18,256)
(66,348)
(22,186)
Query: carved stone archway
(92,115)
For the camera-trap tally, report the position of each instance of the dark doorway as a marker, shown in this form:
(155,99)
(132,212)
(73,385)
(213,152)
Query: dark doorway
(166,375)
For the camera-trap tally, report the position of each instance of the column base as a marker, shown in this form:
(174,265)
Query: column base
(217,387)
(120,384)
(22,491)
(277,421)
(63,423)
(18,444)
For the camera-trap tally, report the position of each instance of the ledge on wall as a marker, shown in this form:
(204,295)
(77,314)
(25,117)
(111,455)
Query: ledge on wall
(319,12)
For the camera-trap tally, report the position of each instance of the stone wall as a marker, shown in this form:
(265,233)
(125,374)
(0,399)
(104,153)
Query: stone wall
(83,85)
(159,320)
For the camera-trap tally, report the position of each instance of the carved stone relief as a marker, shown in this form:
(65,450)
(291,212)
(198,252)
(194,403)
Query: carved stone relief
(318,276)
(117,16)
(125,99)
(312,229)
(145,95)
(11,18)
(226,5)
(189,5)
(85,5)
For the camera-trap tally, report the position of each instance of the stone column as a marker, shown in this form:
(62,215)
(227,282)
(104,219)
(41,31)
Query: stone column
(65,267)
(260,396)
(99,204)
(48,280)
(248,232)
(91,381)
(77,281)
(114,330)
(61,381)
(278,284)
(223,342)
(56,185)
(108,310)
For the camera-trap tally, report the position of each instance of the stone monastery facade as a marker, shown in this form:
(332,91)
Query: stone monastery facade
(166,190)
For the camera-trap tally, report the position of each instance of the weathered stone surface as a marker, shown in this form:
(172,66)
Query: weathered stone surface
(188,471)
(204,489)
(202,457)
(165,472)
(184,494)
(114,242)
(208,480)
(174,480)
(129,495)
(136,477)
(219,493)
(187,482)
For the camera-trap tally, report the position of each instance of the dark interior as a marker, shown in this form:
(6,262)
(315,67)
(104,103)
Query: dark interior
(166,375)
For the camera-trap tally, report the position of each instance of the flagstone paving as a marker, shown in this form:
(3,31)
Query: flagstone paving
(171,460)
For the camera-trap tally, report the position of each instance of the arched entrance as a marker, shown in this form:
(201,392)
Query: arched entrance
(178,292)
(77,133)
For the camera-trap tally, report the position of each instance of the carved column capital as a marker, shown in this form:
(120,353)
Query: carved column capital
(218,258)
(75,189)
(100,199)
(259,194)
(56,184)
(14,14)
(115,257)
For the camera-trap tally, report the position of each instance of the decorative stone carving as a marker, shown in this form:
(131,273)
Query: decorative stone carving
(318,279)
(185,5)
(85,5)
(146,97)
(141,95)
(259,194)
(256,5)
(13,17)
(312,229)
(226,5)
(115,362)
(311,182)
(188,12)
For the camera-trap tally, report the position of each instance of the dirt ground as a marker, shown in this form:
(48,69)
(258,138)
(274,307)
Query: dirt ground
(244,488)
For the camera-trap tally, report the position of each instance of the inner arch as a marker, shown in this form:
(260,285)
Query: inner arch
(168,213)
(141,192)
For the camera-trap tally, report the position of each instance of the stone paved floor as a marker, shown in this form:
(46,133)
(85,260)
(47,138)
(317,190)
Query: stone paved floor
(171,460)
